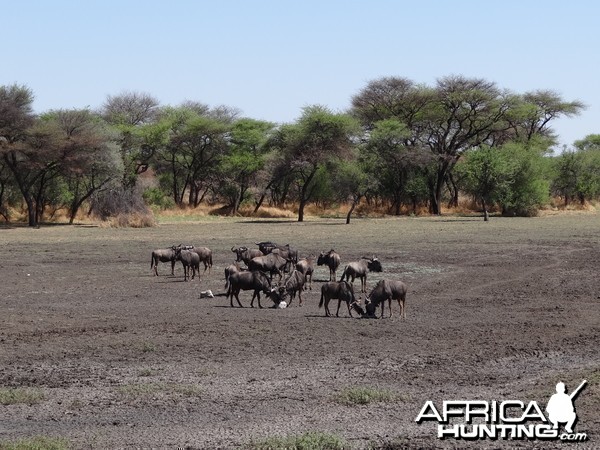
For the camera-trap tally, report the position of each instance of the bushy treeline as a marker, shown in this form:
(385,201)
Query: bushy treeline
(402,146)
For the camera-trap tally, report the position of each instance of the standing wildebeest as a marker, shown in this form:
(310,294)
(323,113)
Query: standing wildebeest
(359,269)
(229,270)
(271,263)
(294,283)
(205,255)
(306,266)
(246,254)
(163,255)
(341,290)
(286,251)
(246,281)
(332,260)
(387,290)
(189,259)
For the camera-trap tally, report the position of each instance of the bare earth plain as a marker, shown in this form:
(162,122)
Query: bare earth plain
(124,359)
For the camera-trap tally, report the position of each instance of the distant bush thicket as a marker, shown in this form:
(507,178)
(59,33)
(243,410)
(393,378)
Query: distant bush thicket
(402,147)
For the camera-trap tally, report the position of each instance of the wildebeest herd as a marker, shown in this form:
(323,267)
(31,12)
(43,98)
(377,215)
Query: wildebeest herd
(293,276)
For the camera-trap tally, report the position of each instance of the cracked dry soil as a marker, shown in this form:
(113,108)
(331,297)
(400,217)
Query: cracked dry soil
(124,359)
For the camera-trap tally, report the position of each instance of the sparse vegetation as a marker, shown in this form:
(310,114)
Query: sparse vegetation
(14,396)
(358,395)
(36,443)
(306,441)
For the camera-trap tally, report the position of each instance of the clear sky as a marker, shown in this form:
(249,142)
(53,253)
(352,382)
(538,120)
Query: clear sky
(270,58)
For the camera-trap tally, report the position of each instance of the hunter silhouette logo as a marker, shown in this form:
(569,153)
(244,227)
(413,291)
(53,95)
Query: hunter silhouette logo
(509,419)
(560,407)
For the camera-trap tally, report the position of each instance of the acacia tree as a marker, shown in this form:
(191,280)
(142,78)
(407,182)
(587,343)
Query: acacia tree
(192,153)
(486,174)
(397,165)
(456,115)
(128,112)
(90,157)
(577,171)
(245,157)
(318,137)
(29,147)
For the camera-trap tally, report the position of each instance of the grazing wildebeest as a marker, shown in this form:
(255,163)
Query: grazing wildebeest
(245,254)
(342,291)
(271,263)
(230,269)
(359,269)
(246,281)
(189,259)
(205,255)
(387,290)
(294,283)
(332,260)
(163,255)
(307,267)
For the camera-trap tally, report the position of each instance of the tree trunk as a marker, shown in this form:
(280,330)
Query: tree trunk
(355,201)
(301,209)
(453,203)
(486,216)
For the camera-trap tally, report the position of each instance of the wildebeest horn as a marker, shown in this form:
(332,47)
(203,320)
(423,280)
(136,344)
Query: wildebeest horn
(232,248)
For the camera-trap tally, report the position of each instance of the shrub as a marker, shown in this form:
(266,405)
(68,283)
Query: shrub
(13,396)
(363,396)
(36,443)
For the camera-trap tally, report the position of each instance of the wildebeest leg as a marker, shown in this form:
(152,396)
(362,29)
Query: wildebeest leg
(172,268)
(337,313)
(327,313)
(390,306)
(349,309)
(237,297)
(299,296)
(402,306)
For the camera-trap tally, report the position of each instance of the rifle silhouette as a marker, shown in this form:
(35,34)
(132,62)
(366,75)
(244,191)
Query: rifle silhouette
(576,391)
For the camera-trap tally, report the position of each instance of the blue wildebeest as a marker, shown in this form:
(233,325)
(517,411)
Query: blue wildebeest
(245,254)
(387,290)
(205,255)
(307,267)
(332,260)
(271,263)
(163,255)
(248,281)
(286,251)
(229,270)
(359,269)
(292,285)
(189,259)
(342,291)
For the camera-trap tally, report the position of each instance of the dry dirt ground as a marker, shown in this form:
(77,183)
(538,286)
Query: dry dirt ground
(123,359)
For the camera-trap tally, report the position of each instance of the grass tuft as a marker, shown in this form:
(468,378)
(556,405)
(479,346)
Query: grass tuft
(363,396)
(36,443)
(14,396)
(307,441)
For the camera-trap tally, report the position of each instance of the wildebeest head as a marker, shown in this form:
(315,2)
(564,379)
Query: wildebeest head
(322,258)
(370,308)
(278,294)
(374,265)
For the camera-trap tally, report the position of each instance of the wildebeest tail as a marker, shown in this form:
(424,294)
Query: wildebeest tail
(322,300)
